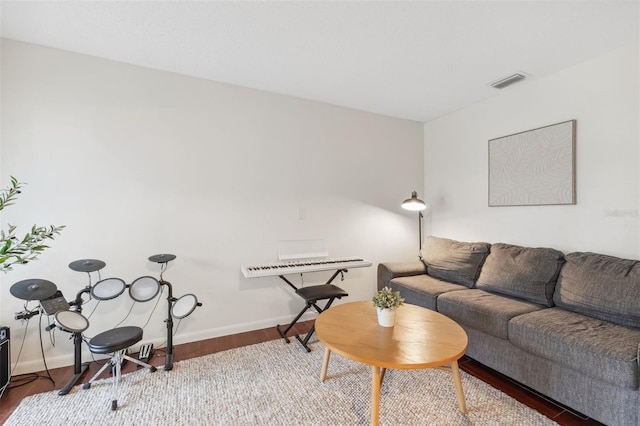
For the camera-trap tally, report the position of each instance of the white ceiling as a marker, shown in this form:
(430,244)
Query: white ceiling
(414,60)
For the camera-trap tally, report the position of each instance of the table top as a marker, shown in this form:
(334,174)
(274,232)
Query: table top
(420,338)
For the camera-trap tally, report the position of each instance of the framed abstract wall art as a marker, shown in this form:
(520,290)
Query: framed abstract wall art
(534,168)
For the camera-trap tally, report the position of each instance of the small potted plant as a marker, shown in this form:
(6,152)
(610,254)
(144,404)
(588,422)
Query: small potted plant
(386,301)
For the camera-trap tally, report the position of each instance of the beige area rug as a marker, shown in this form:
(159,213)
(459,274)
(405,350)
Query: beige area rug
(274,383)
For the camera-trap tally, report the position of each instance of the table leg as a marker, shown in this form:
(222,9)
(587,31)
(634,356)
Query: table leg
(325,364)
(375,396)
(458,383)
(382,372)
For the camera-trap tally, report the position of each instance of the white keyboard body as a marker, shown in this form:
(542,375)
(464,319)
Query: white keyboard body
(302,266)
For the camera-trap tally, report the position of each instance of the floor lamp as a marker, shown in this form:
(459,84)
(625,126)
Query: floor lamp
(415,204)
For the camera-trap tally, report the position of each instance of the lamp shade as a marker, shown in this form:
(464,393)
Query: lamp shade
(414,203)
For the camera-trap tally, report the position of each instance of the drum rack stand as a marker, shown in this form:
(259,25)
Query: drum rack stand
(163,260)
(168,360)
(78,366)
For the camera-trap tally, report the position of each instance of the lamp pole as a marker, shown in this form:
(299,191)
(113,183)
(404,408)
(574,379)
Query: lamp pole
(420,216)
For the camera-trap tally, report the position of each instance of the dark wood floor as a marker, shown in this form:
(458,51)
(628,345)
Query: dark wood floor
(15,393)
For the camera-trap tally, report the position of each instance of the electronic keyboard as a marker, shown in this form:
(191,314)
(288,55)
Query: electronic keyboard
(302,266)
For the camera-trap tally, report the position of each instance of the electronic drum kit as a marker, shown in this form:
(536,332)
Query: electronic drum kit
(68,315)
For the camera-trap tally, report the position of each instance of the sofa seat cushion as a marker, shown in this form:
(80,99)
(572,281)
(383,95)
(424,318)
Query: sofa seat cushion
(454,261)
(484,311)
(524,272)
(423,290)
(596,348)
(600,286)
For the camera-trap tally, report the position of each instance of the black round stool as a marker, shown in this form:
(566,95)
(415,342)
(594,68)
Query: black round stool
(116,341)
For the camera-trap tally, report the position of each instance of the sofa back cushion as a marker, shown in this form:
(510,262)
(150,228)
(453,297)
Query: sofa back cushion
(600,286)
(523,272)
(454,261)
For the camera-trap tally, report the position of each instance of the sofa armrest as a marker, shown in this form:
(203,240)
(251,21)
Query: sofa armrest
(390,270)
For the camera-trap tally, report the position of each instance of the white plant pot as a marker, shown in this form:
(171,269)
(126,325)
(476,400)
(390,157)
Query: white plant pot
(386,317)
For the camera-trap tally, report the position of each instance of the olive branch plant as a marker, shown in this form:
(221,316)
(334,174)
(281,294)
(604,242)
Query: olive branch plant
(16,250)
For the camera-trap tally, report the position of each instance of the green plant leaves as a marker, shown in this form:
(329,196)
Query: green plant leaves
(21,250)
(387,298)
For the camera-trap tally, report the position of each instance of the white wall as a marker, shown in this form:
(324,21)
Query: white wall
(603,96)
(137,162)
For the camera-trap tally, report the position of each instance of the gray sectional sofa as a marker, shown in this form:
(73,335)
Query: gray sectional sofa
(567,326)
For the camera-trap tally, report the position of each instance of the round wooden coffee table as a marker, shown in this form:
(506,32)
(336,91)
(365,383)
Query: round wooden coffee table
(420,338)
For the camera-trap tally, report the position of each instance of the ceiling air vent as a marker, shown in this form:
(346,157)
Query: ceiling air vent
(508,81)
